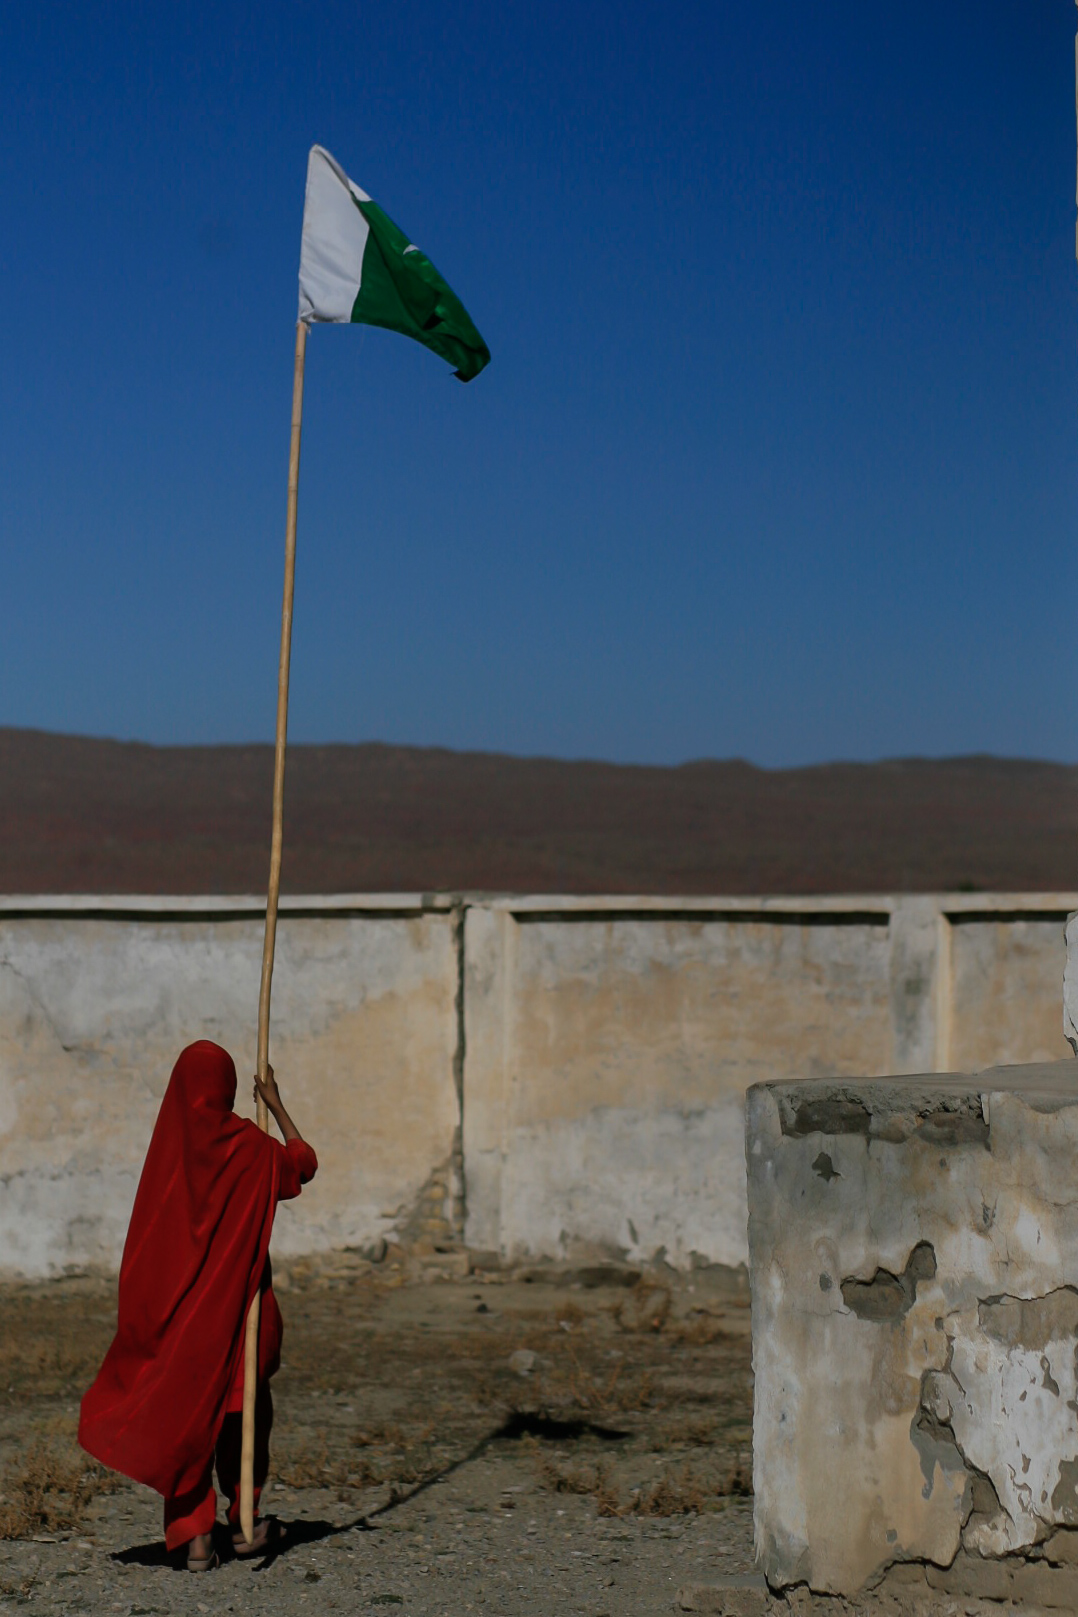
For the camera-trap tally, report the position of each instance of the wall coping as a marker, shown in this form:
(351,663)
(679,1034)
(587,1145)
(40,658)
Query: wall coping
(536,906)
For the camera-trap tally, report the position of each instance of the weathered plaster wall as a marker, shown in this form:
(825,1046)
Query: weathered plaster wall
(914,1274)
(610,1043)
(94,1011)
(598,1050)
(1006,1005)
(608,1055)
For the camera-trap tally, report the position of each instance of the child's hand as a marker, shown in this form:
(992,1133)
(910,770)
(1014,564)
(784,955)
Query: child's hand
(268,1091)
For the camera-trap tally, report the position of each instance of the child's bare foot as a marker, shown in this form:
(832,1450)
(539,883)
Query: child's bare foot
(201,1555)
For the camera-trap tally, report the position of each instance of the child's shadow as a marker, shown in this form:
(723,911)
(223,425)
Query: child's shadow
(294,1536)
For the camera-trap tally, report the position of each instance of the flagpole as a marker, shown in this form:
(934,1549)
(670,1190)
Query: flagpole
(250,1358)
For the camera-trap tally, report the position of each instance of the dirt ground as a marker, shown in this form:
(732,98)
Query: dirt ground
(545,1441)
(537,1442)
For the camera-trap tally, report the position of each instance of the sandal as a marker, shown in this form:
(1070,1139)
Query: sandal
(203,1563)
(269,1535)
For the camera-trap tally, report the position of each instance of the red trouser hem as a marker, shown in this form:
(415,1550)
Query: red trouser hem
(190,1514)
(196,1511)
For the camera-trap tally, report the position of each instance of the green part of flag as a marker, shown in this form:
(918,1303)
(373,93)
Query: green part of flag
(401,290)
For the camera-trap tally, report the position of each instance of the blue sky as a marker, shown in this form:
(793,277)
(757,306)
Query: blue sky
(776,456)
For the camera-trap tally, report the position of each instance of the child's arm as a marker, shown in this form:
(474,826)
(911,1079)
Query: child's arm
(272,1097)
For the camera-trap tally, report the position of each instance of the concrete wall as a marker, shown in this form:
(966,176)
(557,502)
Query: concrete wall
(914,1274)
(95,1007)
(610,1042)
(596,1050)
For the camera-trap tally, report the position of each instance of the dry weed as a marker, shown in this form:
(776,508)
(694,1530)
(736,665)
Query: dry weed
(700,1329)
(388,1452)
(43,1366)
(492,1347)
(738,1479)
(615,1393)
(308,1467)
(646,1308)
(50,1491)
(386,1433)
(681,1491)
(578,1477)
(697,1432)
(485,1394)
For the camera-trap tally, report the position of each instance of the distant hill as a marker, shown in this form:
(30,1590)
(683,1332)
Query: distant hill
(81,815)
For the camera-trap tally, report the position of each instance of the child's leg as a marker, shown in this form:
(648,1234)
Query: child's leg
(229,1444)
(191,1513)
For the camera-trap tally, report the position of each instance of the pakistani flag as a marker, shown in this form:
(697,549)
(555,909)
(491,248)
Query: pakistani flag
(355,264)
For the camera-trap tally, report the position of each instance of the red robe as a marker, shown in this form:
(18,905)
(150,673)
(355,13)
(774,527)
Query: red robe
(195,1253)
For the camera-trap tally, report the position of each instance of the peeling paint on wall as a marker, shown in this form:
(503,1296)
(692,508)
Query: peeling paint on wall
(935,1375)
(574,1070)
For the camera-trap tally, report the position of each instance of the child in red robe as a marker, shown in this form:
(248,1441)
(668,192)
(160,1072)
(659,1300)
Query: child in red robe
(166,1404)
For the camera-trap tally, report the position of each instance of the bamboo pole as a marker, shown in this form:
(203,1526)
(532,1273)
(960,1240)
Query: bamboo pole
(250,1358)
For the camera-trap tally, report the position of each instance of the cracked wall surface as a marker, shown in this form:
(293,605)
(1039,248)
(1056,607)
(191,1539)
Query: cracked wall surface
(609,1054)
(914,1273)
(94,1014)
(543,1075)
(610,1042)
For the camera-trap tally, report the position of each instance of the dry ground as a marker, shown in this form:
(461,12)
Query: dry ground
(559,1442)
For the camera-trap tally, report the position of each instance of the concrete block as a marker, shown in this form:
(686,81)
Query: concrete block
(1029,1584)
(1062,1548)
(914,1275)
(1070,985)
(737,1596)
